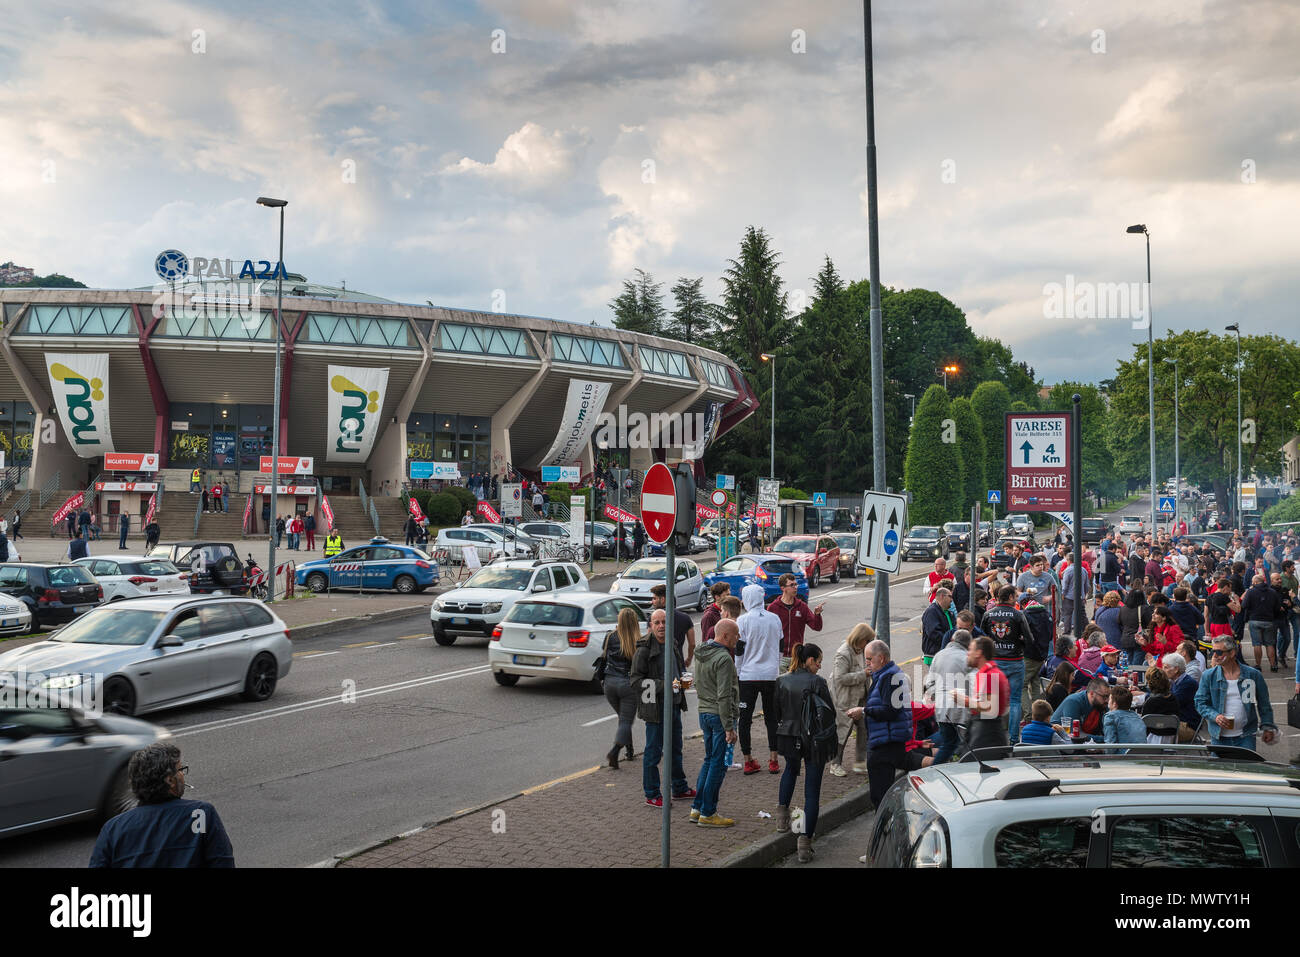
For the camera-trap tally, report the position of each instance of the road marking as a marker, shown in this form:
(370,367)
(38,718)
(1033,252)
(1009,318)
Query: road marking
(903,664)
(413,637)
(386,644)
(362,644)
(568,777)
(285,710)
(313,654)
(608,717)
(839,591)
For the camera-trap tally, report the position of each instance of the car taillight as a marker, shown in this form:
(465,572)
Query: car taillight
(422,564)
(48,595)
(99,591)
(140,579)
(579,639)
(496,634)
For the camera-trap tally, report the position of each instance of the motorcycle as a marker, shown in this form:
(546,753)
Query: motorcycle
(259,589)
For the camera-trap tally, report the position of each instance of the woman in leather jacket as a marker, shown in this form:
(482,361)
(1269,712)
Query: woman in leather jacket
(620,649)
(805,662)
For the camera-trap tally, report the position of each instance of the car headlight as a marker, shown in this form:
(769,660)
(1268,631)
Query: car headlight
(616,586)
(437,604)
(491,607)
(63,682)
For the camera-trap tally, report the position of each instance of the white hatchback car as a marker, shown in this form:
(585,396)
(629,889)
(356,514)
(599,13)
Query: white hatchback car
(489,545)
(15,617)
(1130,525)
(130,576)
(478,605)
(642,575)
(555,637)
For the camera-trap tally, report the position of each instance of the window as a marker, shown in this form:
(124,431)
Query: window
(716,374)
(1058,843)
(484,340)
(1185,841)
(545,613)
(388,555)
(561,576)
(593,352)
(607,612)
(663,362)
(543,578)
(255,616)
(457,535)
(154,567)
(574,573)
(220,619)
(70,576)
(732,566)
(358,331)
(53,320)
(17,724)
(186,626)
(104,568)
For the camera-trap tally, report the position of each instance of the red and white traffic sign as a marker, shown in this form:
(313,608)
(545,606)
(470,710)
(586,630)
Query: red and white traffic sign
(658,503)
(719,498)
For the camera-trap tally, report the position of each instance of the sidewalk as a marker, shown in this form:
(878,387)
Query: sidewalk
(598,818)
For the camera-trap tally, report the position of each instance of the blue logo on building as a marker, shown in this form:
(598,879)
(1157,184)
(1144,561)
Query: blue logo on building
(171,264)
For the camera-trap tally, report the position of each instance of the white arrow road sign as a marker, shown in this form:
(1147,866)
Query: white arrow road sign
(884,522)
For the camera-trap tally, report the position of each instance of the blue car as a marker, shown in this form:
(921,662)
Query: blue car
(377,564)
(761,569)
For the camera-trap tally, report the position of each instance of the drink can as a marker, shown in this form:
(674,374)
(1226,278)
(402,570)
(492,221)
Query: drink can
(1074,727)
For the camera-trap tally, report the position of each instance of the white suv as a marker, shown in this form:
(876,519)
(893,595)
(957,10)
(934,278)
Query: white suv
(478,605)
(1130,524)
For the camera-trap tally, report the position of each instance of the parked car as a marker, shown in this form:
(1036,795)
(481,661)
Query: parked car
(1131,525)
(225,572)
(1021,524)
(478,605)
(848,543)
(817,555)
(487,544)
(380,564)
(548,531)
(761,569)
(146,654)
(15,617)
(636,581)
(130,576)
(62,766)
(696,544)
(1093,530)
(558,637)
(925,543)
(54,593)
(524,546)
(959,535)
(1170,806)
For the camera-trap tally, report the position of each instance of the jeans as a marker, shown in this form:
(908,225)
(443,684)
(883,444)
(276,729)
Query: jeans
(749,692)
(311,540)
(712,771)
(654,750)
(278,537)
(1103,587)
(622,698)
(121,537)
(946,741)
(812,789)
(1262,633)
(1033,687)
(1015,672)
(1285,632)
(225,503)
(1241,741)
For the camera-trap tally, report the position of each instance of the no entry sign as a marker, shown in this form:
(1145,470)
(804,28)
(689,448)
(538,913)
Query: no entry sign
(1038,461)
(658,503)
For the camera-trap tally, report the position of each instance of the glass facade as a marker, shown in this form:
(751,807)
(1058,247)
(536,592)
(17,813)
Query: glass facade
(443,437)
(358,331)
(663,362)
(716,374)
(17,419)
(231,437)
(592,352)
(52,320)
(183,324)
(484,340)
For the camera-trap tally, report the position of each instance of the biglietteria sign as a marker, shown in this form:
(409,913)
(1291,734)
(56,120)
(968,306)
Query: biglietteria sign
(582,407)
(1038,462)
(355,401)
(79,381)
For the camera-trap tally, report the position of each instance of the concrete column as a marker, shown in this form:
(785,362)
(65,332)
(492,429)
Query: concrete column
(387,460)
(56,456)
(504,417)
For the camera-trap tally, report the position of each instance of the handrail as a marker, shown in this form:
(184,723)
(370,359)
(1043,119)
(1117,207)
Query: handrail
(368,505)
(48,489)
(374,516)
(23,504)
(198,513)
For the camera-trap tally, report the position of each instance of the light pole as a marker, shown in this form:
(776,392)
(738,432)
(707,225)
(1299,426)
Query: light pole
(769,357)
(908,395)
(275,407)
(1151,376)
(1236,495)
(946,370)
(1177,475)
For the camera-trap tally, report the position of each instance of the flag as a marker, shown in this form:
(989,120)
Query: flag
(326,510)
(487,511)
(153,504)
(417,511)
(70,505)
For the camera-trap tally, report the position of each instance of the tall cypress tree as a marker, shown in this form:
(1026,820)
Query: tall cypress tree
(970,443)
(991,402)
(933,469)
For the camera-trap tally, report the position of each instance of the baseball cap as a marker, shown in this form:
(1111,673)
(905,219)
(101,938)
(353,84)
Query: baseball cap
(1109,650)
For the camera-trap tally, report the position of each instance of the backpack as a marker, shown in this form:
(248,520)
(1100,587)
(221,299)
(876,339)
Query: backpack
(819,740)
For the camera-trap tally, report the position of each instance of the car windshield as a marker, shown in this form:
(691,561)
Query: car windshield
(155,567)
(159,551)
(649,570)
(545,613)
(514,579)
(111,626)
(845,541)
(958,527)
(794,545)
(67,576)
(925,531)
(778,567)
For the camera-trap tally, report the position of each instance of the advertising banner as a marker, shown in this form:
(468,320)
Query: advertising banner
(615,514)
(327,511)
(224,454)
(1038,461)
(71,505)
(130,462)
(703,512)
(126,486)
(355,398)
(561,473)
(695,449)
(444,471)
(80,389)
(285,489)
(414,509)
(153,508)
(582,407)
(488,512)
(289,465)
(248,511)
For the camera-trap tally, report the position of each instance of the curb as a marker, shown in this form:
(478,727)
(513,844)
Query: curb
(343,624)
(768,851)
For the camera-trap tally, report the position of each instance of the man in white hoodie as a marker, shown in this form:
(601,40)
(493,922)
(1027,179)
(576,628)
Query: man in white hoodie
(757,668)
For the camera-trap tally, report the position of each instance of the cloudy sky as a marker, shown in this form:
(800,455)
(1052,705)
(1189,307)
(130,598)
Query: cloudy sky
(426,155)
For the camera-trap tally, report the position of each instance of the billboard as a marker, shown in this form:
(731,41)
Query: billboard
(1038,462)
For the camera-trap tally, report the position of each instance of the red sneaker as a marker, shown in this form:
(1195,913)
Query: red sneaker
(688,793)
(655,801)
(751,767)
(773,767)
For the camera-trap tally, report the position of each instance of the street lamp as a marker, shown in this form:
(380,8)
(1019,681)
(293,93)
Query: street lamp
(1236,503)
(1177,475)
(908,395)
(1151,376)
(275,407)
(946,370)
(769,357)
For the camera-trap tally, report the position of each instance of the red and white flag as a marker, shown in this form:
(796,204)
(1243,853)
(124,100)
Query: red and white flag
(326,510)
(416,510)
(487,511)
(70,505)
(153,504)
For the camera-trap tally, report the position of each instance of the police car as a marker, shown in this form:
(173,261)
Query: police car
(379,564)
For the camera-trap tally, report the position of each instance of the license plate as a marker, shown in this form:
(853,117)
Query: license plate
(80,608)
(529,660)
(460,621)
(8,623)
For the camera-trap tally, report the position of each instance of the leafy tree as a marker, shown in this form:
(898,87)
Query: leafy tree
(1019,406)
(53,281)
(640,306)
(971,446)
(991,402)
(933,469)
(996,363)
(1098,468)
(693,317)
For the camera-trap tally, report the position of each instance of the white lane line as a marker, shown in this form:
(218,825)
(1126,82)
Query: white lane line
(838,591)
(386,644)
(223,723)
(608,717)
(303,656)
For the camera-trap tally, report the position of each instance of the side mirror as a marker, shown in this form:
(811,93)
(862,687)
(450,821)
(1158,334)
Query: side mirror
(169,641)
(539,588)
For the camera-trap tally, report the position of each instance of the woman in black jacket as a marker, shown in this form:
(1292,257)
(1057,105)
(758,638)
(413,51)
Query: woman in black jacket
(620,649)
(1134,614)
(17,526)
(1059,688)
(792,741)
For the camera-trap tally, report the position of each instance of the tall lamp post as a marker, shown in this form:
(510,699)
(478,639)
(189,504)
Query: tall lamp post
(275,407)
(1151,376)
(1178,482)
(908,395)
(771,468)
(1236,495)
(946,370)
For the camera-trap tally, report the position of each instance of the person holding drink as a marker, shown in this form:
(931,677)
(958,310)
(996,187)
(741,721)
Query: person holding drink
(1233,698)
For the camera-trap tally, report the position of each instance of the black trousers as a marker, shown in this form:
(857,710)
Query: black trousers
(749,692)
(884,761)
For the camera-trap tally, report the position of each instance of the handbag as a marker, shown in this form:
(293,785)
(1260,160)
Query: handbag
(1293,712)
(600,662)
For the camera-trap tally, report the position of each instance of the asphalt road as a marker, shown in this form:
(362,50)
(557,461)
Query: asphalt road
(308,774)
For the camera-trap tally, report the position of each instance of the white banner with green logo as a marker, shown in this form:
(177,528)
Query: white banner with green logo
(582,408)
(80,384)
(355,401)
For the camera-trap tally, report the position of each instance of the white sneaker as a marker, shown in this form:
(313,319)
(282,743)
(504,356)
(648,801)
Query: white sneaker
(837,770)
(859,769)
(862,859)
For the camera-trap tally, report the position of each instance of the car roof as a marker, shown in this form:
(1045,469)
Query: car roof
(168,602)
(584,599)
(118,558)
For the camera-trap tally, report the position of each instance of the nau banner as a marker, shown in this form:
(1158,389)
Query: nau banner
(329,512)
(585,402)
(355,399)
(488,512)
(71,505)
(80,384)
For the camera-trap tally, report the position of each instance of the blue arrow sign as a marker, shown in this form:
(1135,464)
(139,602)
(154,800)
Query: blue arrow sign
(1166,505)
(995,496)
(819,498)
(890,542)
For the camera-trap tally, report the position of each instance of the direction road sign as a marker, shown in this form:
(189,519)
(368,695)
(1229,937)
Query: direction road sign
(658,503)
(819,498)
(1166,504)
(884,518)
(1038,461)
(725,481)
(995,497)
(718,498)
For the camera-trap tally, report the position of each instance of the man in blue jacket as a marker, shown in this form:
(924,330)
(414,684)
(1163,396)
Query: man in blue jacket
(1183,687)
(889,719)
(1089,706)
(1233,698)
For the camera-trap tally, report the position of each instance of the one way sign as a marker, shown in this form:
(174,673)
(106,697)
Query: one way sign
(884,521)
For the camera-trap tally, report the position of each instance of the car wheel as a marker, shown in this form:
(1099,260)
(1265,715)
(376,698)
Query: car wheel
(835,575)
(404,584)
(119,697)
(815,578)
(317,582)
(853,568)
(262,676)
(118,797)
(702,600)
(505,680)
(441,637)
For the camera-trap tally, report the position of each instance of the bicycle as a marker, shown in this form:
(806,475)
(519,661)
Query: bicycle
(564,552)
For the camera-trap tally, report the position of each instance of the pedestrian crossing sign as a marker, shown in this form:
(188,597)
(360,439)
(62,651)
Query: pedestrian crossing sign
(995,497)
(819,498)
(1167,504)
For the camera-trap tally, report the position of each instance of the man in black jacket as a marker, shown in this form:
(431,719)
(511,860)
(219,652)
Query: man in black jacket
(1260,608)
(648,666)
(937,621)
(1037,649)
(1010,631)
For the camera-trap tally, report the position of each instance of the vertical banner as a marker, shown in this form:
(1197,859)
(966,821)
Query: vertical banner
(153,506)
(248,511)
(701,438)
(355,398)
(79,381)
(582,408)
(326,511)
(415,510)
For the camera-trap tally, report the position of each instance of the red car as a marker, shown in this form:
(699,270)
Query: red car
(818,554)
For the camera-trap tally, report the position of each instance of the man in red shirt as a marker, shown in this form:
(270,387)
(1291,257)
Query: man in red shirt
(938,577)
(795,616)
(991,699)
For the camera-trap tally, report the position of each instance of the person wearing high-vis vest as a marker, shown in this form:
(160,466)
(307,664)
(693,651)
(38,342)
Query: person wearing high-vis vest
(333,543)
(196,481)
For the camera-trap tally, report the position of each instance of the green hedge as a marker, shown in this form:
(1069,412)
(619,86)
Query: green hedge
(444,509)
(793,493)
(1287,510)
(463,496)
